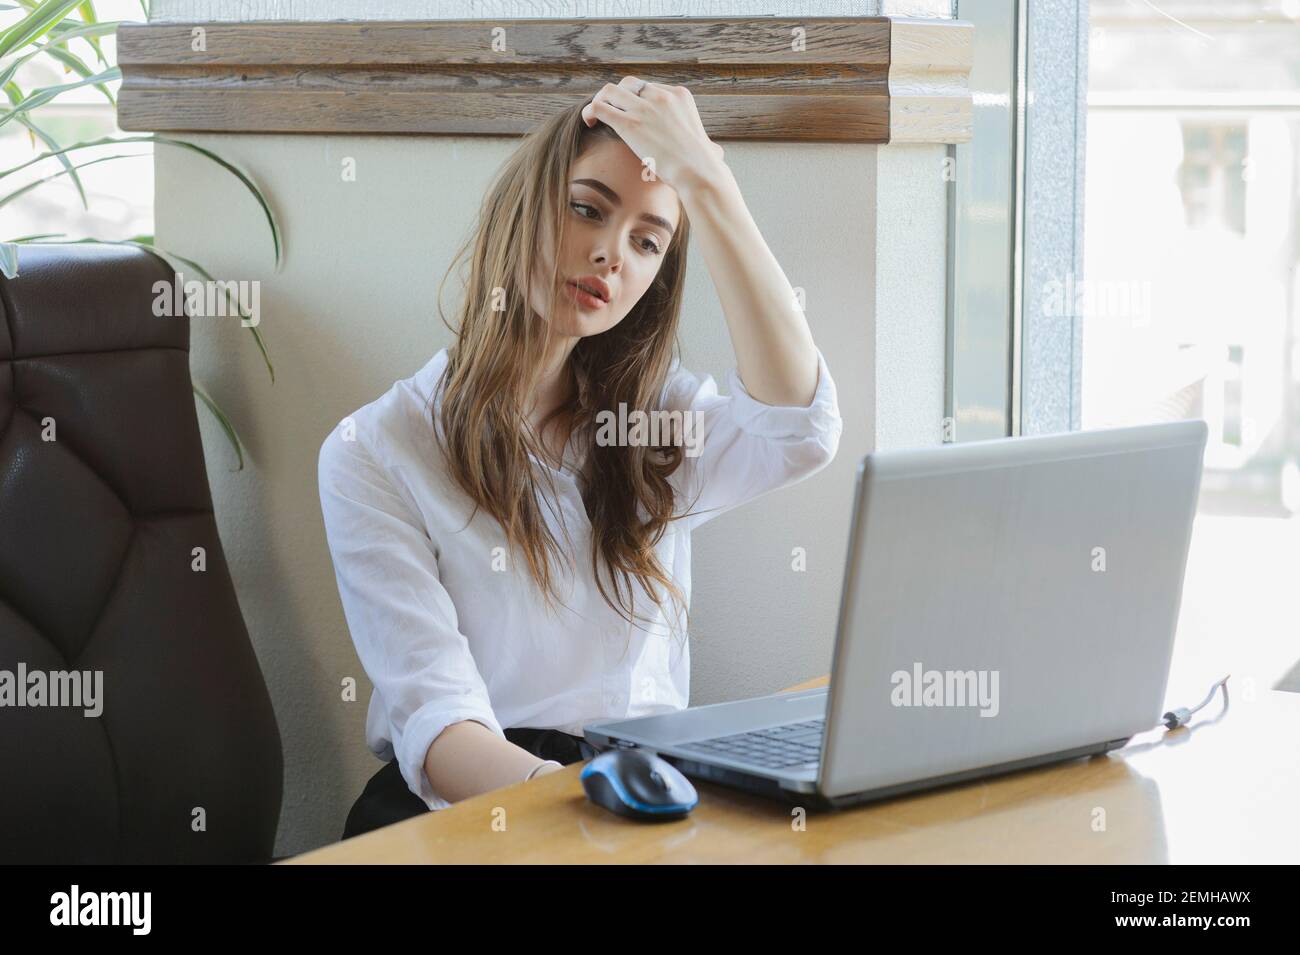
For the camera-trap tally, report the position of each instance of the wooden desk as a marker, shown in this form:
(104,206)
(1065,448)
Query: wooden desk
(1223,791)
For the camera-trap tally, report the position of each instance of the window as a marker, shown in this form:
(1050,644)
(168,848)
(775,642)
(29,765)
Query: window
(1212,176)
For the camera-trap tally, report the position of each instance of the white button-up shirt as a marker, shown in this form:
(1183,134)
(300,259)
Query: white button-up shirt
(448,630)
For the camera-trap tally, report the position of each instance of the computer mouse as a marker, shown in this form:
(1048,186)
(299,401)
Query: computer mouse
(638,784)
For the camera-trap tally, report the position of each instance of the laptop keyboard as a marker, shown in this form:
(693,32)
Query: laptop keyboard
(778,747)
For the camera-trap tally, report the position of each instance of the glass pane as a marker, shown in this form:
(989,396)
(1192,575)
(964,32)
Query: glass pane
(1192,252)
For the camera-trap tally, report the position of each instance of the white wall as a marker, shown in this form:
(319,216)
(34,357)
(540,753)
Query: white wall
(860,228)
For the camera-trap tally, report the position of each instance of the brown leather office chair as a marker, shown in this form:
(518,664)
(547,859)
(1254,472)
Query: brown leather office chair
(98,530)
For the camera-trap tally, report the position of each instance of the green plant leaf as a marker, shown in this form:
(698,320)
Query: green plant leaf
(41,96)
(147,242)
(36,24)
(8,73)
(91,28)
(257,335)
(154,138)
(83,144)
(73,62)
(68,30)
(67,163)
(222,420)
(87,11)
(5,200)
(238,174)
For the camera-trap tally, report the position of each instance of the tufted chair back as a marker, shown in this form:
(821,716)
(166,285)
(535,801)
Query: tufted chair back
(104,500)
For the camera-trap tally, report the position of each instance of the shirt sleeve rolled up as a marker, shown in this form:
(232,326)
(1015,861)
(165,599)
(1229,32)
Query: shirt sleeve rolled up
(402,620)
(746,448)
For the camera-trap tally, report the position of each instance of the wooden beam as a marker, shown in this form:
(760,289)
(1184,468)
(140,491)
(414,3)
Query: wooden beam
(814,79)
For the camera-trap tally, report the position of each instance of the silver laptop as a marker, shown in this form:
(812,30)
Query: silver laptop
(1005,604)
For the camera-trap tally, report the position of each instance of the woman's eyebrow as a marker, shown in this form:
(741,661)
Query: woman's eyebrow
(612,196)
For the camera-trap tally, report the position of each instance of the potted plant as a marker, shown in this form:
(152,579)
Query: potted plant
(51,29)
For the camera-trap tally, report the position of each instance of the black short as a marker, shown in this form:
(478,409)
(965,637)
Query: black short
(387,799)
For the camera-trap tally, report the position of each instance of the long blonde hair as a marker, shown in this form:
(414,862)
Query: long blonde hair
(496,361)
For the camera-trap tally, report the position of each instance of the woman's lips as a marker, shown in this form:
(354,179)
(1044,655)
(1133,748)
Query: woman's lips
(584,297)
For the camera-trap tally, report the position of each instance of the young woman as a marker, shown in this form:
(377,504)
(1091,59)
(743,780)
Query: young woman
(514,564)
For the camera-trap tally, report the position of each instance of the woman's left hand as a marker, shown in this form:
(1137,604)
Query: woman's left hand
(661,126)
